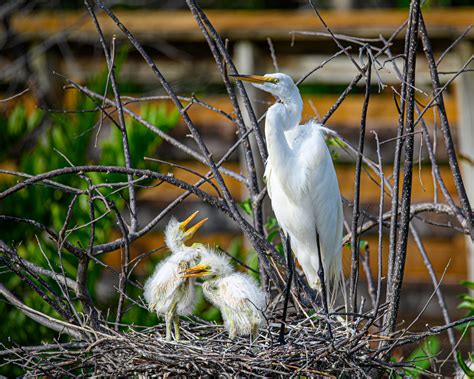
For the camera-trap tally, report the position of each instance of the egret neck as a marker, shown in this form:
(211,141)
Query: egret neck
(283,117)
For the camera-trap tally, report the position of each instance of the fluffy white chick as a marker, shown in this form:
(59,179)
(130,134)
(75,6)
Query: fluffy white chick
(237,295)
(166,291)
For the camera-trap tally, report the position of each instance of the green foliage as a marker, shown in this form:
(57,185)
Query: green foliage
(334,144)
(362,244)
(246,206)
(421,358)
(271,226)
(465,366)
(68,139)
(16,126)
(467,303)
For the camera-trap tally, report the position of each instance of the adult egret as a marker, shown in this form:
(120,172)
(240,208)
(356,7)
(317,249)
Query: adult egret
(237,295)
(301,181)
(166,291)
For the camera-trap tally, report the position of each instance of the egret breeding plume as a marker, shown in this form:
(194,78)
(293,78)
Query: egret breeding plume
(237,295)
(166,291)
(301,181)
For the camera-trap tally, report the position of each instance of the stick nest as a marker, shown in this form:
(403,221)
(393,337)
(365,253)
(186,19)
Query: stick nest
(204,349)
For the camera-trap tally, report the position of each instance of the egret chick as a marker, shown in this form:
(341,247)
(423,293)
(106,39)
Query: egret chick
(166,291)
(237,295)
(301,181)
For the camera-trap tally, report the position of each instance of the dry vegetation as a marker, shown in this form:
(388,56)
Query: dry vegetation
(320,344)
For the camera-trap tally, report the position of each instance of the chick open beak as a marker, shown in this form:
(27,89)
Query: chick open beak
(255,78)
(195,271)
(192,230)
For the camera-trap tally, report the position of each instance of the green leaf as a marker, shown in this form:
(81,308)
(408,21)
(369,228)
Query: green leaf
(466,305)
(17,120)
(421,357)
(252,262)
(464,366)
(363,244)
(272,235)
(468,284)
(34,119)
(246,205)
(271,223)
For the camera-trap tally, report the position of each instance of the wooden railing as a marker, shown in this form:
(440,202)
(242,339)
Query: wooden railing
(183,57)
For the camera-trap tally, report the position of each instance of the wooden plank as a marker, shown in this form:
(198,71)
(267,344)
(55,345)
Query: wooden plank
(443,253)
(422,191)
(148,25)
(422,188)
(339,71)
(381,112)
(447,252)
(167,192)
(156,240)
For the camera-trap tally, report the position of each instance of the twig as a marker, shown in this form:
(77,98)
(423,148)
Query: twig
(396,278)
(355,211)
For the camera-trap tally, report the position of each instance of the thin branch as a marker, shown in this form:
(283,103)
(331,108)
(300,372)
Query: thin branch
(355,211)
(448,139)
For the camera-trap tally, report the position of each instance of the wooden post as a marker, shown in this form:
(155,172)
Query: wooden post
(465,90)
(245,58)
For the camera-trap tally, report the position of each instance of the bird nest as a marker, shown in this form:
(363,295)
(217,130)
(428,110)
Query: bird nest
(204,349)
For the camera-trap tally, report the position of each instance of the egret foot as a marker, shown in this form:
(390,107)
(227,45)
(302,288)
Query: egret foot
(176,328)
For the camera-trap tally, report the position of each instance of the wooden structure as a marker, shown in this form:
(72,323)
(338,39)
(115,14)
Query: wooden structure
(183,56)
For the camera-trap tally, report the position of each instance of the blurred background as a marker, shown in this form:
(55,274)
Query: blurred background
(44,42)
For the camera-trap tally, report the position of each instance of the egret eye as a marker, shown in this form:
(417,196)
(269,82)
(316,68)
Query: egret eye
(269,79)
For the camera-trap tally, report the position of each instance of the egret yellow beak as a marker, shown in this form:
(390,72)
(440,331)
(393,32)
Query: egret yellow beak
(192,230)
(198,270)
(255,78)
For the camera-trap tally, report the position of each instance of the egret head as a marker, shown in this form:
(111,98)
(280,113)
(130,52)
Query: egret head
(177,233)
(212,264)
(278,84)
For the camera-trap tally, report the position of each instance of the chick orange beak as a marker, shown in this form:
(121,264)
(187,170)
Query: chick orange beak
(192,230)
(198,270)
(255,78)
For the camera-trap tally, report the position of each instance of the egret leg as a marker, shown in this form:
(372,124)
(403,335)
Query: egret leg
(289,259)
(168,326)
(323,285)
(169,318)
(176,327)
(254,331)
(232,330)
(230,323)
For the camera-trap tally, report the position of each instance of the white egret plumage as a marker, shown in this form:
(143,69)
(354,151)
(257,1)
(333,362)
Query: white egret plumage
(237,295)
(166,291)
(301,181)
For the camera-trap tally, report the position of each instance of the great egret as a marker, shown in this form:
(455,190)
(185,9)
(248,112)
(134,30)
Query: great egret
(166,291)
(237,295)
(301,181)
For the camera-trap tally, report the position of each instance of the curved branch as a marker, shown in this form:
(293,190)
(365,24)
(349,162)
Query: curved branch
(117,170)
(414,209)
(50,322)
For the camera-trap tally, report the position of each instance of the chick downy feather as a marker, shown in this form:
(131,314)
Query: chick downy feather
(166,286)
(236,294)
